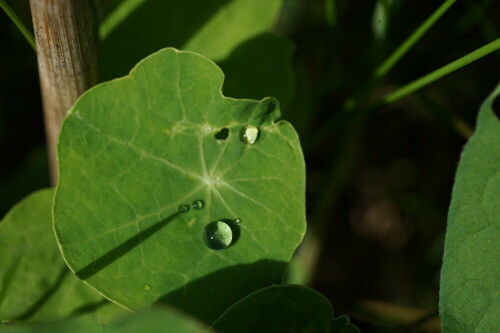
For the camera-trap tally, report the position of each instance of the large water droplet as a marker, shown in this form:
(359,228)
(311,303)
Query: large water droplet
(249,134)
(218,235)
(198,204)
(146,287)
(183,209)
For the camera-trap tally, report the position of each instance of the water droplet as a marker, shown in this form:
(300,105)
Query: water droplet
(198,204)
(237,221)
(249,134)
(183,209)
(146,287)
(218,235)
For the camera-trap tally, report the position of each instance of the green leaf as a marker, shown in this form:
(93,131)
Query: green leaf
(470,279)
(35,282)
(154,320)
(235,33)
(283,308)
(212,28)
(342,324)
(260,67)
(131,151)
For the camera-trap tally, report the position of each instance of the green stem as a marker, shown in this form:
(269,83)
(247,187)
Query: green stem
(439,73)
(394,58)
(20,25)
(330,13)
(352,102)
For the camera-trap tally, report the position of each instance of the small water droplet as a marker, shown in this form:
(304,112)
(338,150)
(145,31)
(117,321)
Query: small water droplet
(249,134)
(183,209)
(146,287)
(237,221)
(198,204)
(218,235)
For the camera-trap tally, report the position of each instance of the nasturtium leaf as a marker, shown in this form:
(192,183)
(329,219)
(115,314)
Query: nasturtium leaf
(153,320)
(35,283)
(133,150)
(470,278)
(279,308)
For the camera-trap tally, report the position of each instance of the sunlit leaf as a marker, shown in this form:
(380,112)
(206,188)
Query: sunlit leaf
(133,150)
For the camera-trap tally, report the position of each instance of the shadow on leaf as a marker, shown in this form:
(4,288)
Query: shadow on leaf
(119,251)
(205,299)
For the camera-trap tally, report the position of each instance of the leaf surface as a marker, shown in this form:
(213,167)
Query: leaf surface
(35,283)
(470,278)
(280,308)
(131,151)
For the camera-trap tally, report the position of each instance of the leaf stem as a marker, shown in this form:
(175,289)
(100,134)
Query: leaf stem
(66,39)
(330,13)
(351,103)
(394,58)
(19,24)
(441,72)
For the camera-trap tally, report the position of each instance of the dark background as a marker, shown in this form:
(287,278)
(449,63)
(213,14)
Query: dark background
(385,180)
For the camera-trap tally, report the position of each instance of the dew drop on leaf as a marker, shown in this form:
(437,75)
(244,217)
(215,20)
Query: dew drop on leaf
(183,209)
(218,235)
(249,134)
(146,287)
(198,204)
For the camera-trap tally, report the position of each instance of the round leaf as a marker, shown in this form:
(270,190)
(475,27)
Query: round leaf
(133,150)
(285,308)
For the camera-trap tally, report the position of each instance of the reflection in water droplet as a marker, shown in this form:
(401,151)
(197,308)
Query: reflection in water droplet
(146,287)
(249,134)
(198,204)
(217,235)
(183,209)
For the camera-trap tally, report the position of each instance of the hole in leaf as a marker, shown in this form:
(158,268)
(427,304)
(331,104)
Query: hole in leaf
(222,134)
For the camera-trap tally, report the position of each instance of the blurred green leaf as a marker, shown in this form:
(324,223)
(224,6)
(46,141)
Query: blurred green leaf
(342,324)
(381,18)
(136,28)
(234,33)
(260,67)
(153,320)
(280,308)
(131,151)
(35,282)
(470,279)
